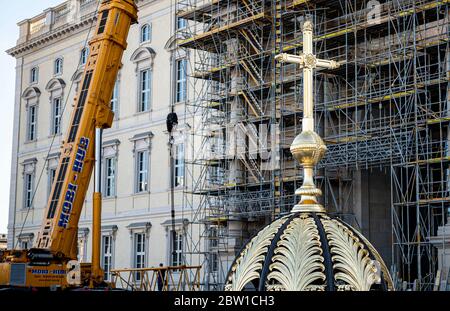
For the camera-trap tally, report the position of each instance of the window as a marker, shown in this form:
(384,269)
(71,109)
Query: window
(181,80)
(181,23)
(56,116)
(216,175)
(82,247)
(214,262)
(25,240)
(139,252)
(142,171)
(176,248)
(115,97)
(146,33)
(145,91)
(214,237)
(84,56)
(178,177)
(34,75)
(51,178)
(110,177)
(32,123)
(58,66)
(24,244)
(107,256)
(28,185)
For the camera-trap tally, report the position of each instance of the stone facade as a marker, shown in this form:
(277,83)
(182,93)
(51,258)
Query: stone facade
(60,33)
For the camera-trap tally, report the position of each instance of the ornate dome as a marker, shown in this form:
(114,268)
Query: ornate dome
(308,251)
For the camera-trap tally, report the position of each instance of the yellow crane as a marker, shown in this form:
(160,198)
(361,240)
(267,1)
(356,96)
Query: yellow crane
(51,263)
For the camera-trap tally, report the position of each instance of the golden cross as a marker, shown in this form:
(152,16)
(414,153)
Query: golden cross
(308,148)
(308,61)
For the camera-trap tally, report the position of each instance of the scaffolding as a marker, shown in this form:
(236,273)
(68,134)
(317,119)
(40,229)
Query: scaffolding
(385,108)
(177,278)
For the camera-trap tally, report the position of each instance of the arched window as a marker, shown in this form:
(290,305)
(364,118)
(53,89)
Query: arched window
(56,89)
(31,97)
(143,59)
(146,33)
(84,56)
(58,66)
(34,75)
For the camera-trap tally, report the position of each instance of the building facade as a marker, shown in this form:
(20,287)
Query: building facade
(51,52)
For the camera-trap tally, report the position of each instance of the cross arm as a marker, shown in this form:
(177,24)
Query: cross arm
(289,58)
(307,60)
(327,64)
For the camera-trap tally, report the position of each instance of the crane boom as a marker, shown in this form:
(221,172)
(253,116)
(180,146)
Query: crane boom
(59,229)
(56,243)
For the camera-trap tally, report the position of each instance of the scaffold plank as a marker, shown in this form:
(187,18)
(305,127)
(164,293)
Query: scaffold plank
(207,35)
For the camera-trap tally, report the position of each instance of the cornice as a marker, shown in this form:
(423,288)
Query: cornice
(47,38)
(60,32)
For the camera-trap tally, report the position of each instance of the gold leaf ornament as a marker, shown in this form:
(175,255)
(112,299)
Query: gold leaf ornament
(250,262)
(298,262)
(350,258)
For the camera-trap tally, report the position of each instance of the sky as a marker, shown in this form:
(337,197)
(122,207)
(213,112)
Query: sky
(12,13)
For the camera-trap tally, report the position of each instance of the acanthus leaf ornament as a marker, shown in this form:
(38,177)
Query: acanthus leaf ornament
(351,259)
(298,262)
(249,263)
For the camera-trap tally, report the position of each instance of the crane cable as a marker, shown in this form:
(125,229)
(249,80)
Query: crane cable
(85,45)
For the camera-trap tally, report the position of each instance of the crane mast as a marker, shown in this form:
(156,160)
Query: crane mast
(57,239)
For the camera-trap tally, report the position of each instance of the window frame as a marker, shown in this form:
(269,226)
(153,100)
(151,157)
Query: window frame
(51,178)
(107,259)
(142,254)
(214,237)
(145,34)
(114,102)
(180,80)
(84,55)
(34,75)
(214,263)
(58,66)
(176,248)
(28,189)
(142,173)
(32,125)
(82,242)
(178,166)
(24,243)
(183,23)
(110,190)
(145,92)
(55,128)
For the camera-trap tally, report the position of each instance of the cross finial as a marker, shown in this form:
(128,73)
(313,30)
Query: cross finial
(308,148)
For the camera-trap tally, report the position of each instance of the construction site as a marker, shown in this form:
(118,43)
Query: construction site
(383,115)
(265,145)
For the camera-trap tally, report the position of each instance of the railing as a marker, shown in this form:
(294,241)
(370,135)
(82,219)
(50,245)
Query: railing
(61,16)
(86,5)
(179,278)
(37,26)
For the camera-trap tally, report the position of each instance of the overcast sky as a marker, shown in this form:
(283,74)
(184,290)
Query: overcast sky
(12,12)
